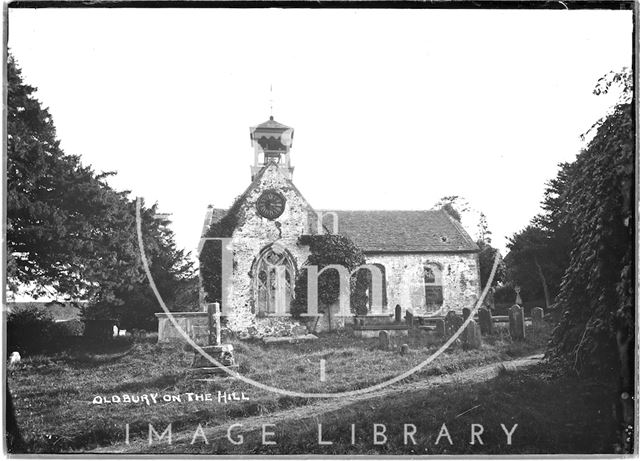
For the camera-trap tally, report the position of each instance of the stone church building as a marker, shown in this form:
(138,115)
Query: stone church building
(428,261)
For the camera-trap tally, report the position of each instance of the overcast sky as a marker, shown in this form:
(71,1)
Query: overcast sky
(392,109)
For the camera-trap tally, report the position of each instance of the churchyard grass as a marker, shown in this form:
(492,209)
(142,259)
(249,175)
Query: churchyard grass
(53,393)
(555,414)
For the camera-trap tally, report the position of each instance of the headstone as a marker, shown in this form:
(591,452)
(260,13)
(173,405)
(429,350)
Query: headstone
(398,313)
(537,314)
(452,322)
(214,323)
(490,299)
(440,326)
(472,335)
(404,349)
(383,340)
(516,322)
(466,312)
(408,315)
(486,321)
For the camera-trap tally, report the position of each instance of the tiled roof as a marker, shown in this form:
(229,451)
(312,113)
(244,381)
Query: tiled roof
(390,231)
(397,231)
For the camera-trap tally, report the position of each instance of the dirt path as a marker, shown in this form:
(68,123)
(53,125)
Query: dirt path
(321,407)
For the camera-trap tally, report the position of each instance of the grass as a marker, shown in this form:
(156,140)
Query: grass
(555,415)
(53,393)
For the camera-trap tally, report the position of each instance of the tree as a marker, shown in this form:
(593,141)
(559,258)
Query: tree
(484,234)
(485,259)
(539,254)
(68,233)
(453,205)
(528,252)
(597,292)
(325,250)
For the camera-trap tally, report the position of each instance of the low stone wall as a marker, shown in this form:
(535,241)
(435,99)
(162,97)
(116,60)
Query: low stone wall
(194,324)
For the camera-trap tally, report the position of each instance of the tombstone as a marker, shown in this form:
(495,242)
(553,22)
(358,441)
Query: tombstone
(398,313)
(452,323)
(408,315)
(214,323)
(383,340)
(516,322)
(471,335)
(537,314)
(440,326)
(404,349)
(466,312)
(518,298)
(486,321)
(223,353)
(490,299)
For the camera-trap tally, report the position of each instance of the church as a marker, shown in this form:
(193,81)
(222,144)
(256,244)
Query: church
(428,261)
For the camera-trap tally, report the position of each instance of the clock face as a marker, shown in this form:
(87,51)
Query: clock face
(271,204)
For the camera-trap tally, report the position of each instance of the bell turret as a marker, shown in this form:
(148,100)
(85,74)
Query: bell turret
(271,141)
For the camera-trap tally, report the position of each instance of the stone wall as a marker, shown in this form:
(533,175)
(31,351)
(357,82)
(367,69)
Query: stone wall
(404,272)
(254,233)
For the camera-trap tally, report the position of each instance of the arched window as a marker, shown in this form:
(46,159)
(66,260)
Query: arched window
(274,276)
(384,284)
(432,288)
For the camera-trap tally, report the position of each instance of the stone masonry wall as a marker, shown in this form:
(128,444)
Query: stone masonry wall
(251,235)
(404,272)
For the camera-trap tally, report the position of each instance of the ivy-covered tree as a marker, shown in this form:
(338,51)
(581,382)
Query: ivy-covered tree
(597,292)
(326,250)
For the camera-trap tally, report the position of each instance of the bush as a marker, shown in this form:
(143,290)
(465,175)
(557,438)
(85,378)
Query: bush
(29,330)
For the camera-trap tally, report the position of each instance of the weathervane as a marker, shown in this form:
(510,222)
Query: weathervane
(271,100)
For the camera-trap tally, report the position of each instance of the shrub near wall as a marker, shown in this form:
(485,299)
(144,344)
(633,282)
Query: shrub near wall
(29,330)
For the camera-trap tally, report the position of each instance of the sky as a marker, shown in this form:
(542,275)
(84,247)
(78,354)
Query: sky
(392,109)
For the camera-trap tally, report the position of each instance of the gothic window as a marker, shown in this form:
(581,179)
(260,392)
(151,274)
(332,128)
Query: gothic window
(433,288)
(274,276)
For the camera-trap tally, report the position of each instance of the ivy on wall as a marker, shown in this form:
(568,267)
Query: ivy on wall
(211,255)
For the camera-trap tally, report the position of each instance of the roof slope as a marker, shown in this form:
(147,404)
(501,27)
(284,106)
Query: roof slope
(391,231)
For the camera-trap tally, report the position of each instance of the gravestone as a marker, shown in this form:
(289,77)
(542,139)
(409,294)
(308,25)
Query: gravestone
(486,321)
(516,322)
(408,315)
(465,313)
(201,366)
(490,299)
(452,323)
(404,349)
(471,335)
(440,326)
(383,340)
(398,313)
(537,315)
